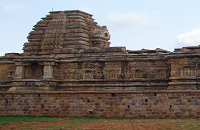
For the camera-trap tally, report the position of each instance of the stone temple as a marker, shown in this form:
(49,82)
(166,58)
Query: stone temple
(69,51)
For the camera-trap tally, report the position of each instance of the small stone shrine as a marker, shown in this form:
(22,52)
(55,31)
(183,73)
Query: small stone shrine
(69,51)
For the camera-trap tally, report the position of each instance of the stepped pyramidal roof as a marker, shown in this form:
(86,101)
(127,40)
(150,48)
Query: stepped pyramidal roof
(69,31)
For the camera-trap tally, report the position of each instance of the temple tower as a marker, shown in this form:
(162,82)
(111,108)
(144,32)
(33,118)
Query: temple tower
(70,31)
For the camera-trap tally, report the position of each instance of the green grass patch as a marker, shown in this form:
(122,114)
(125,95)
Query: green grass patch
(91,119)
(4,123)
(77,122)
(29,119)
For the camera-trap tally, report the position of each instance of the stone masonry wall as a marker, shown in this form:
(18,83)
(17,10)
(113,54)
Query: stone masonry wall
(126,104)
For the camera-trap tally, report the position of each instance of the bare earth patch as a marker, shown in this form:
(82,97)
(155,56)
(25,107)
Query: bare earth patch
(21,125)
(128,126)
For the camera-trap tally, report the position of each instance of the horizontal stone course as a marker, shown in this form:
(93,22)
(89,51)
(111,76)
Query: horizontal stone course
(129,104)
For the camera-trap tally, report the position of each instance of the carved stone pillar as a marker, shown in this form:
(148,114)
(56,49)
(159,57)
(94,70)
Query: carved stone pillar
(48,70)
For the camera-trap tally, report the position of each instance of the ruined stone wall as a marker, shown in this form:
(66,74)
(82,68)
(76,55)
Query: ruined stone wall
(7,70)
(127,104)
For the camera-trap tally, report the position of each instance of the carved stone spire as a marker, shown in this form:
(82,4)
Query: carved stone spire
(66,30)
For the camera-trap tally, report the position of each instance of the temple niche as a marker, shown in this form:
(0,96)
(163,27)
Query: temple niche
(34,71)
(69,51)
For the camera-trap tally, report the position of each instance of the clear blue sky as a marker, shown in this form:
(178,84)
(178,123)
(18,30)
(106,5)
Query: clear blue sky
(136,24)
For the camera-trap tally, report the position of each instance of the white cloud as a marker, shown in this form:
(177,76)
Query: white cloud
(189,38)
(119,20)
(12,7)
(85,9)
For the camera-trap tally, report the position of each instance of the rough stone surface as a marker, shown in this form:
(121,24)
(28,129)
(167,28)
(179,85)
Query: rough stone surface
(127,104)
(68,53)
